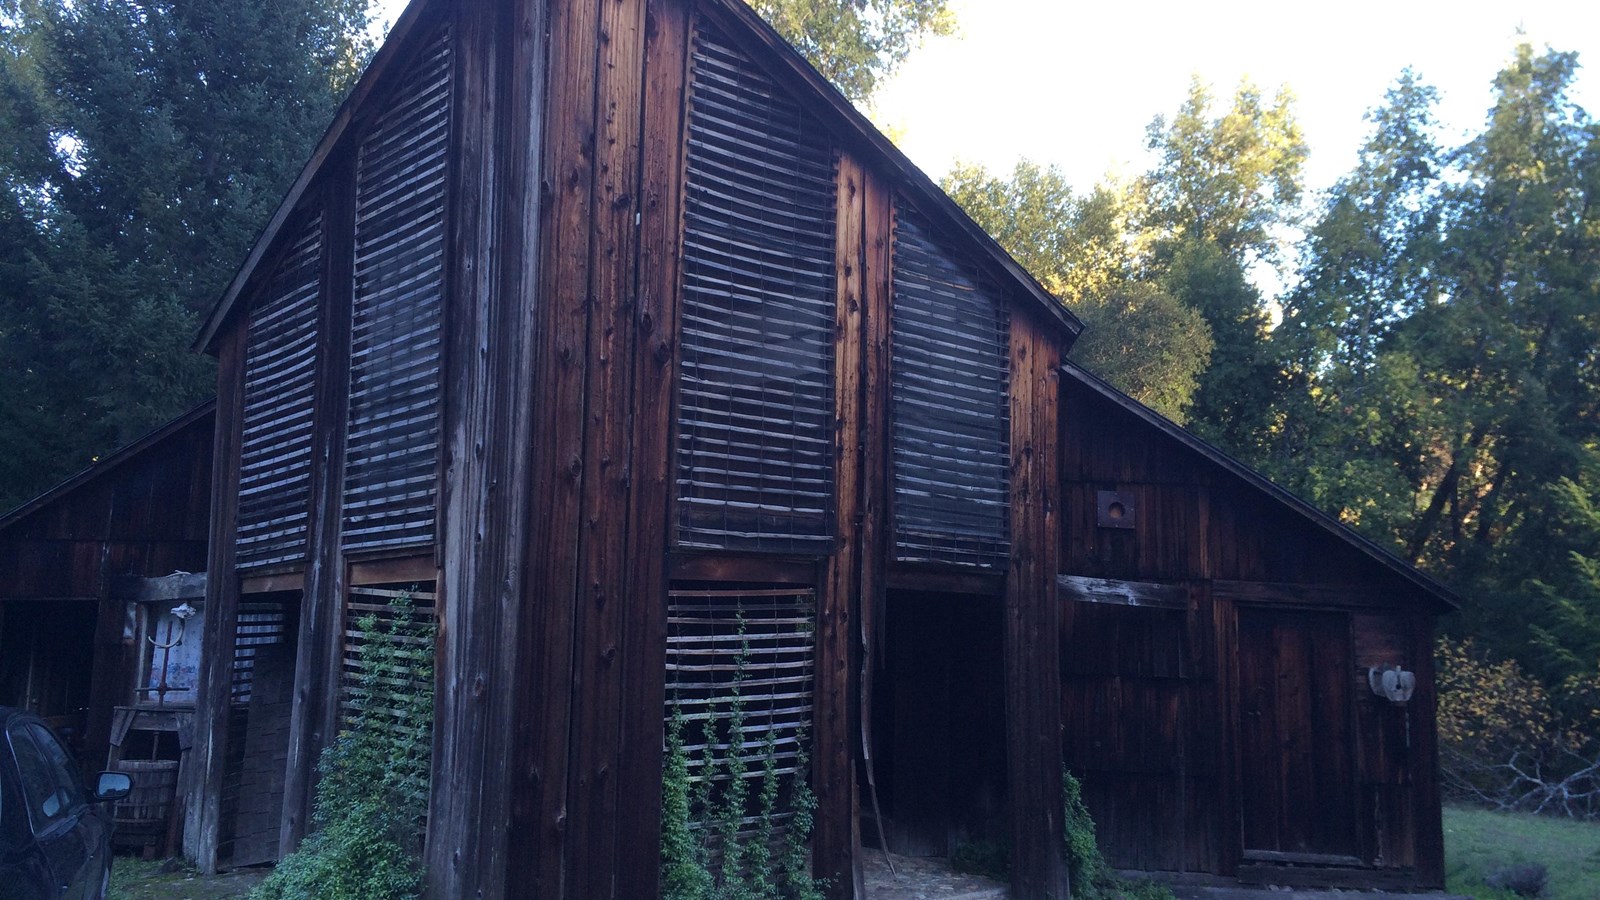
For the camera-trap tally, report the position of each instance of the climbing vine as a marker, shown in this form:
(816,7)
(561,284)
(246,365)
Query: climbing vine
(722,837)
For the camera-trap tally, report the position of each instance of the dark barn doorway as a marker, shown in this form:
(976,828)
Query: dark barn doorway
(938,724)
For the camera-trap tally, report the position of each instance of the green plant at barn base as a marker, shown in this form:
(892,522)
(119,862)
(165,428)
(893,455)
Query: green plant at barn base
(706,854)
(372,796)
(1091,877)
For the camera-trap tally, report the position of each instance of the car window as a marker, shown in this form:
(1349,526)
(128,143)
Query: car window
(66,771)
(47,800)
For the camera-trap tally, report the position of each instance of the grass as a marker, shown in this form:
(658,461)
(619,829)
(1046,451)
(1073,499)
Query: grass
(1478,841)
(136,879)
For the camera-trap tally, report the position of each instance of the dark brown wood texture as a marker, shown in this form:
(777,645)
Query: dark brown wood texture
(949,382)
(203,792)
(313,716)
(1179,764)
(1032,614)
(491,270)
(834,748)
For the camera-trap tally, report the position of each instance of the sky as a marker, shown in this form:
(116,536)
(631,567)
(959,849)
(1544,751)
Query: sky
(1075,83)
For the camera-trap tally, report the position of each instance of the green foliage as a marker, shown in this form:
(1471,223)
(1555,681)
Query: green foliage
(372,796)
(1091,878)
(142,147)
(857,43)
(703,855)
(1138,336)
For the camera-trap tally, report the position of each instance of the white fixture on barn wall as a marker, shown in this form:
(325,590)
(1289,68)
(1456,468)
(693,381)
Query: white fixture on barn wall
(1395,685)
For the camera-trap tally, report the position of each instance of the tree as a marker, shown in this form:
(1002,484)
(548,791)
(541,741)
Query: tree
(1223,189)
(856,43)
(1086,251)
(144,145)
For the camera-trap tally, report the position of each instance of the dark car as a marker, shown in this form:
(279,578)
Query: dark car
(55,835)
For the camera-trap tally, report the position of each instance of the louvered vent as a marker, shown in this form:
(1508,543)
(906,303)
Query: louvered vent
(279,404)
(755,426)
(392,448)
(747,649)
(950,380)
(405,614)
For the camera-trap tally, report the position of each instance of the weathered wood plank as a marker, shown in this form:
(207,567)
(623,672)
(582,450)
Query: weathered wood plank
(312,719)
(1123,593)
(204,792)
(603,589)
(488,412)
(1424,710)
(833,762)
(666,37)
(539,815)
(1032,633)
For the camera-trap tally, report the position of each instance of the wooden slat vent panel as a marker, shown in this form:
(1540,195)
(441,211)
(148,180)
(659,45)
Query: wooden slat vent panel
(950,377)
(755,424)
(280,403)
(773,629)
(392,449)
(380,601)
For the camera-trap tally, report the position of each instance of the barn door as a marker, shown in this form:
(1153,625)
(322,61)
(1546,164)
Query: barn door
(1297,773)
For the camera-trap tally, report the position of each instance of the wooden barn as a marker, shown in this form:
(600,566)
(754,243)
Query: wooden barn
(612,334)
(89,572)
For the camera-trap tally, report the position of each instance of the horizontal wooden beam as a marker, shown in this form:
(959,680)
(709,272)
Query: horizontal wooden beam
(177,586)
(271,584)
(705,567)
(394,571)
(904,577)
(1123,593)
(1320,595)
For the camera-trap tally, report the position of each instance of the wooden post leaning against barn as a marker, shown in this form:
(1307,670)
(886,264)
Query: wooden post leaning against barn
(1032,631)
(485,438)
(203,793)
(833,758)
(314,716)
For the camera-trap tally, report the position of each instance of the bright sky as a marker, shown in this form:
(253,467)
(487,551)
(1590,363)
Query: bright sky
(1075,83)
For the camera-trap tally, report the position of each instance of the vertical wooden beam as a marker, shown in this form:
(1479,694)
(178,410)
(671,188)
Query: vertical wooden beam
(203,794)
(489,357)
(655,324)
(1424,709)
(1230,852)
(542,767)
(833,734)
(874,424)
(603,588)
(1032,631)
(314,714)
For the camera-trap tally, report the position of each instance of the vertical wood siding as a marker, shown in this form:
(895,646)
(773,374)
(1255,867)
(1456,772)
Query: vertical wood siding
(279,401)
(949,381)
(392,449)
(755,468)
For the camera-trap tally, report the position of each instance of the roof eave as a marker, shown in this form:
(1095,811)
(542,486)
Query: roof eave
(1447,599)
(924,190)
(414,12)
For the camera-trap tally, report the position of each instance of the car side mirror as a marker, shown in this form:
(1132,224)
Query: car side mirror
(112,786)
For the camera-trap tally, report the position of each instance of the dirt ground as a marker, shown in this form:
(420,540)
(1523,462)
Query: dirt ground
(136,879)
(923,879)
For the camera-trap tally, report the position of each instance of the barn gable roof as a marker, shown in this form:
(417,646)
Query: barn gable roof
(110,463)
(783,62)
(1445,597)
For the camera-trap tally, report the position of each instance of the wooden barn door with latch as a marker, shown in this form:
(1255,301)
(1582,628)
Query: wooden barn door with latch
(1296,753)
